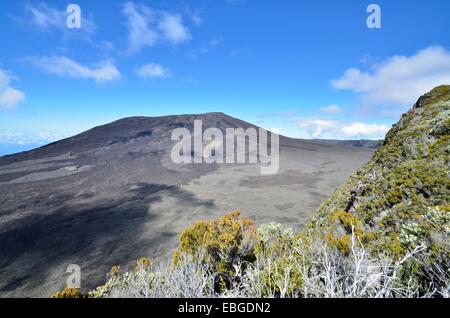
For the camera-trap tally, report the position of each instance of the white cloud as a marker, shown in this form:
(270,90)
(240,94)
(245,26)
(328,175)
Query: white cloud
(153,71)
(361,130)
(44,18)
(104,71)
(9,96)
(24,138)
(399,80)
(194,15)
(331,109)
(320,128)
(172,28)
(147,26)
(140,33)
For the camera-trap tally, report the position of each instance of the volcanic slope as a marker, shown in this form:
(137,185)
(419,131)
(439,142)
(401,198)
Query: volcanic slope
(112,195)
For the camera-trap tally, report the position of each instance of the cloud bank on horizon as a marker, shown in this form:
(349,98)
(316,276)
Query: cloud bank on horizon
(165,58)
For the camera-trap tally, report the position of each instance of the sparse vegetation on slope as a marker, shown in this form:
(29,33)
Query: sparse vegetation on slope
(401,197)
(384,233)
(285,266)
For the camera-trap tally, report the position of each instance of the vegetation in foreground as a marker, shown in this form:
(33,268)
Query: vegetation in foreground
(385,233)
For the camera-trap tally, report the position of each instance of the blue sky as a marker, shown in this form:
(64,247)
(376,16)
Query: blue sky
(312,69)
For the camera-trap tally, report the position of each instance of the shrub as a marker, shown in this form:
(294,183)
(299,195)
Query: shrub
(141,274)
(410,233)
(143,262)
(68,292)
(285,266)
(276,261)
(189,279)
(221,244)
(343,225)
(274,239)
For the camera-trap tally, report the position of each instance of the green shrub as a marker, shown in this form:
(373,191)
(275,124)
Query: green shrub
(221,243)
(68,292)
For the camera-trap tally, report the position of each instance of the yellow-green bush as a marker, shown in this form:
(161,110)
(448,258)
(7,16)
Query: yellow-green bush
(144,263)
(220,243)
(141,272)
(278,260)
(347,219)
(274,240)
(68,292)
(281,277)
(350,223)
